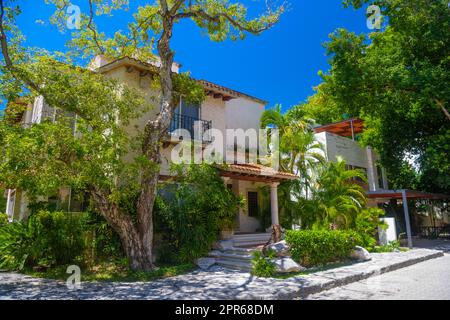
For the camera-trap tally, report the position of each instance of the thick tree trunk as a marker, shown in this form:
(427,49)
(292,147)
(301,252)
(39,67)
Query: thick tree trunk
(154,133)
(136,249)
(137,239)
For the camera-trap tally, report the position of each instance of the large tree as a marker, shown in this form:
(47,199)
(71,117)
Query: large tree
(103,107)
(397,79)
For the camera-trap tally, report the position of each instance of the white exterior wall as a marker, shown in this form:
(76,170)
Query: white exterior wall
(244,222)
(346,148)
(353,154)
(243,113)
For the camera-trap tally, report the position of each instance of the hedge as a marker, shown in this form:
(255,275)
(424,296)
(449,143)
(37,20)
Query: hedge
(316,247)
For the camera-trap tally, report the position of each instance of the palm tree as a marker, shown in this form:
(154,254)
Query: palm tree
(338,198)
(300,154)
(299,150)
(325,193)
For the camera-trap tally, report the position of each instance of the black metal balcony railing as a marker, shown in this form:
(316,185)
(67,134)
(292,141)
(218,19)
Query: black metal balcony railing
(180,121)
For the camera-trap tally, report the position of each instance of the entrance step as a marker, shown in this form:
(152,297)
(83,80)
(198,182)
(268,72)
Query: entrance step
(244,266)
(234,258)
(240,254)
(250,239)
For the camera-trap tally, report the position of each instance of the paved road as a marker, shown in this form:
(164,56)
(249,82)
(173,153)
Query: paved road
(428,280)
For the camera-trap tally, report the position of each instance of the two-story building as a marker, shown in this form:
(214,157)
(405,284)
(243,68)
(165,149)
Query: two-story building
(223,109)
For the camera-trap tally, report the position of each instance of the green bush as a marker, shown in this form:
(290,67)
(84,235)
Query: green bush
(47,238)
(17,246)
(3,219)
(317,247)
(2,199)
(192,210)
(262,266)
(102,241)
(390,247)
(61,236)
(366,225)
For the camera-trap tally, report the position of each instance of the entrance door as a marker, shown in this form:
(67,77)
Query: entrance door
(253,206)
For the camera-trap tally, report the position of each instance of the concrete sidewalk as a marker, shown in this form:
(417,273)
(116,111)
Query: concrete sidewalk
(429,280)
(218,283)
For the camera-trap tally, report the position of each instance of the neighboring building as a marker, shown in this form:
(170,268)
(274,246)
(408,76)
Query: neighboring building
(223,109)
(340,140)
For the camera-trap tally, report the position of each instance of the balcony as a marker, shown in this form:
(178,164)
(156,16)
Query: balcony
(180,121)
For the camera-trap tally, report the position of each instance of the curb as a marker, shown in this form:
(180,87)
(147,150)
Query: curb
(305,290)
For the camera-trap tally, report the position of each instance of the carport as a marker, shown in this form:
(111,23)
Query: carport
(405,195)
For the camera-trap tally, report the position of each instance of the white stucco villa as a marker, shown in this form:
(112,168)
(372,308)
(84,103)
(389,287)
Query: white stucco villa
(223,109)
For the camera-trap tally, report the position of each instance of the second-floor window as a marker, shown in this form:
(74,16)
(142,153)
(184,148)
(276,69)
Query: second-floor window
(186,116)
(188,110)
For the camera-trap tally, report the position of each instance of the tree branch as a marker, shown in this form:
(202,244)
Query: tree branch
(5,51)
(164,6)
(94,31)
(216,19)
(176,6)
(441,105)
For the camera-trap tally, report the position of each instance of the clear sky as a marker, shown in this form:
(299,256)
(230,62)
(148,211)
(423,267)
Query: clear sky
(279,66)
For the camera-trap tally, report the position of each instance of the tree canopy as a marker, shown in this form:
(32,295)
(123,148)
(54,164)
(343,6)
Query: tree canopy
(397,80)
(42,157)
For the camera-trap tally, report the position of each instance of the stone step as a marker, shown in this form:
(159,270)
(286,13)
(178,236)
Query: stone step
(253,243)
(251,240)
(252,236)
(240,250)
(232,256)
(240,265)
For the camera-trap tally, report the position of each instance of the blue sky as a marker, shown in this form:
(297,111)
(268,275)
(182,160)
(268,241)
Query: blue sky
(279,66)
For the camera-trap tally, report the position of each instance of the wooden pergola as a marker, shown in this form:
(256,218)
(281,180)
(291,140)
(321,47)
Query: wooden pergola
(345,128)
(405,195)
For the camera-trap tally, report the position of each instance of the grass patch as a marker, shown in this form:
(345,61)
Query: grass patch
(114,272)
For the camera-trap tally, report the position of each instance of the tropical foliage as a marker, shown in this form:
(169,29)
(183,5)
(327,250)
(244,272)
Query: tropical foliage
(327,194)
(298,148)
(337,197)
(47,156)
(193,212)
(396,79)
(47,238)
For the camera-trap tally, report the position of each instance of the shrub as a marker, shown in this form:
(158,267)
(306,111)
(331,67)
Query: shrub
(390,247)
(60,236)
(262,266)
(366,225)
(47,238)
(3,219)
(17,246)
(102,241)
(193,210)
(316,247)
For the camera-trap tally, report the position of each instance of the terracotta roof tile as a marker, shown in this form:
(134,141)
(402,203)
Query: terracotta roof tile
(259,170)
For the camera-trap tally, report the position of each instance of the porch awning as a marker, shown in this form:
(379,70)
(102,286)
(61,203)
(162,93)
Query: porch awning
(405,195)
(255,172)
(346,128)
(410,194)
